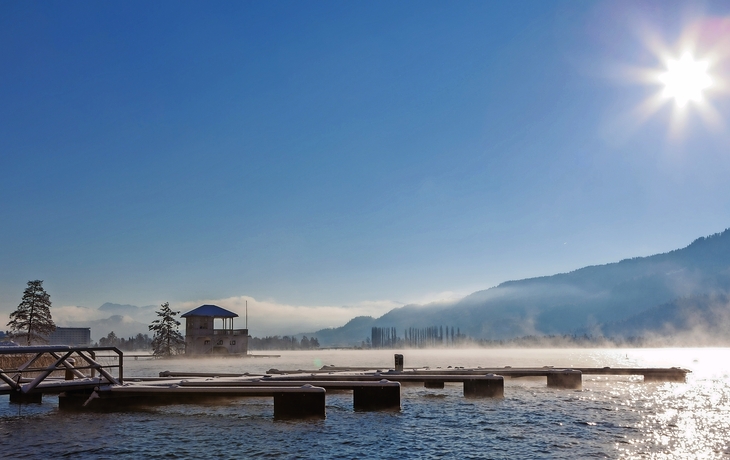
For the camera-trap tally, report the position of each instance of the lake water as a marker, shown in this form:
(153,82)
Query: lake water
(611,417)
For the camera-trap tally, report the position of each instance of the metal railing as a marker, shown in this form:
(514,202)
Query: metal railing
(42,361)
(202,332)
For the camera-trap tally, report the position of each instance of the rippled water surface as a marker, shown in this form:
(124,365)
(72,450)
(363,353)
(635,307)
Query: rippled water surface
(611,417)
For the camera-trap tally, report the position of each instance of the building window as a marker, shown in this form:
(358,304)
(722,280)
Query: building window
(233,342)
(220,342)
(207,342)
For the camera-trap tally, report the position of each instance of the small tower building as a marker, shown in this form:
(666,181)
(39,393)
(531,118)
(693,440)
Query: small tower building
(203,338)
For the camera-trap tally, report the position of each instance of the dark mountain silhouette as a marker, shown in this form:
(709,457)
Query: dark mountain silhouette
(122,326)
(355,331)
(590,299)
(129,310)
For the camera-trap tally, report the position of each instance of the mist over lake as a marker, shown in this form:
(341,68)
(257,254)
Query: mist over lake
(612,417)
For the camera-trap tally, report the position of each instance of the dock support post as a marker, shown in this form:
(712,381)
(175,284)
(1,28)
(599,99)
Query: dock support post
(299,405)
(69,371)
(93,357)
(73,400)
(433,384)
(484,388)
(571,379)
(399,363)
(18,397)
(376,398)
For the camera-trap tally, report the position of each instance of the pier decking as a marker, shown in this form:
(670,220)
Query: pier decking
(570,377)
(296,393)
(367,395)
(289,401)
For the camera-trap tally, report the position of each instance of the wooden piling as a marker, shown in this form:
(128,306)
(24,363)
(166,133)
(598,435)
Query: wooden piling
(69,371)
(299,405)
(369,397)
(433,384)
(18,397)
(399,362)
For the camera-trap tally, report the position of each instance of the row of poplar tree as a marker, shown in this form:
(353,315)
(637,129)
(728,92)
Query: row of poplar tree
(282,343)
(432,336)
(32,323)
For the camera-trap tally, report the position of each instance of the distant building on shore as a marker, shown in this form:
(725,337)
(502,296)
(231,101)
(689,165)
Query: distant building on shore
(202,337)
(72,336)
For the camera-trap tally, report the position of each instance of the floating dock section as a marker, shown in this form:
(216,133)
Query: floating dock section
(87,385)
(568,378)
(289,401)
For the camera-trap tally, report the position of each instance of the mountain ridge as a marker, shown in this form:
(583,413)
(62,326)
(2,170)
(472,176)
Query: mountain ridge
(586,300)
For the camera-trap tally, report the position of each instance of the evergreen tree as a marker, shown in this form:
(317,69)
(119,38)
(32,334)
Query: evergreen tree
(111,340)
(32,319)
(167,341)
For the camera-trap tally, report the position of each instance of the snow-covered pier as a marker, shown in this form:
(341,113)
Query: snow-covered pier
(33,377)
(89,385)
(81,389)
(557,377)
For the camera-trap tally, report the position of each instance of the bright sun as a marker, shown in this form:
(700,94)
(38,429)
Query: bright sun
(685,80)
(689,77)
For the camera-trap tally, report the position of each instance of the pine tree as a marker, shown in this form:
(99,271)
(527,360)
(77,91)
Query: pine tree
(111,340)
(32,319)
(167,341)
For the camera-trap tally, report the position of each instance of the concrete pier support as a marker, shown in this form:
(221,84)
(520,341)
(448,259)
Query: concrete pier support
(386,396)
(492,387)
(665,377)
(299,405)
(73,400)
(571,379)
(18,397)
(433,384)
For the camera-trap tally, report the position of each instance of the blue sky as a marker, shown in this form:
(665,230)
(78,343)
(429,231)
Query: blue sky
(339,153)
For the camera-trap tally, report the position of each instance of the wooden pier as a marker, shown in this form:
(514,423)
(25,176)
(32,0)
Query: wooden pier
(31,379)
(475,386)
(569,378)
(367,395)
(291,401)
(88,385)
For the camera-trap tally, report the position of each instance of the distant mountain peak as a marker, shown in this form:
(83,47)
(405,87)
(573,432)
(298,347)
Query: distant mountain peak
(108,306)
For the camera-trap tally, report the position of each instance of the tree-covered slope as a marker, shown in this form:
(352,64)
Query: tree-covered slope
(586,299)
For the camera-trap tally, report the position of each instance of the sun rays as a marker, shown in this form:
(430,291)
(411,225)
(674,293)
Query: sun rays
(688,77)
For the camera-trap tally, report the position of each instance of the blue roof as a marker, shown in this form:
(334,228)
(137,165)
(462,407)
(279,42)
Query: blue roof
(211,310)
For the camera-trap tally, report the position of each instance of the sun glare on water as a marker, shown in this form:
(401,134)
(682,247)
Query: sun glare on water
(685,80)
